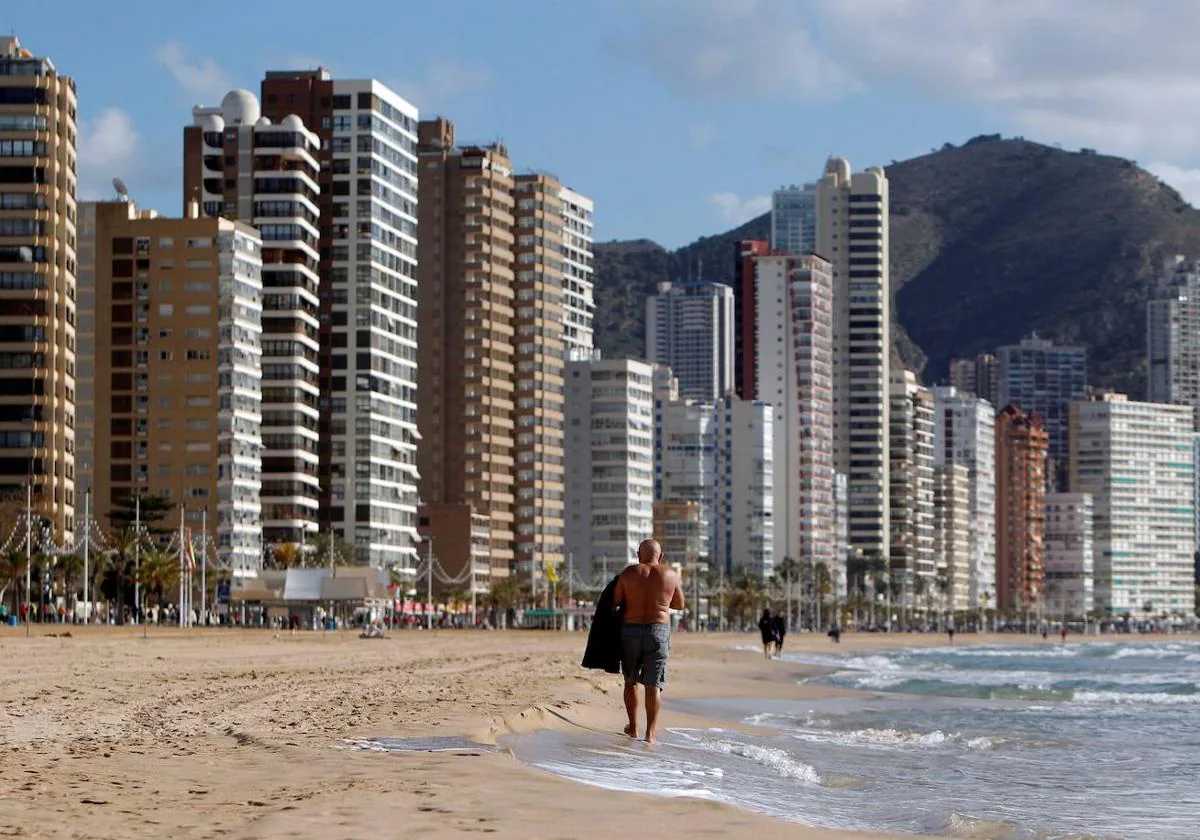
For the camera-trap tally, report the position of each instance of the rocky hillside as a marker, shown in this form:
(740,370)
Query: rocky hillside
(990,240)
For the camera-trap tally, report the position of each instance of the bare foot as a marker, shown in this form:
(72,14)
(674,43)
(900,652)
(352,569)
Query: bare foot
(651,738)
(631,731)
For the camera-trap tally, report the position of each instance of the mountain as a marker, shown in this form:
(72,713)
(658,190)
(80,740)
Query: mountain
(990,241)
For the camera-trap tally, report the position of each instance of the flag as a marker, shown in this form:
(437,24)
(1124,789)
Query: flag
(189,556)
(551,572)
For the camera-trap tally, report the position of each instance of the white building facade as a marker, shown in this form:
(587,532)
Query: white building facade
(743,495)
(910,450)
(685,458)
(852,233)
(689,328)
(965,433)
(275,189)
(794,374)
(1070,559)
(579,306)
(239,398)
(1136,461)
(373,422)
(610,462)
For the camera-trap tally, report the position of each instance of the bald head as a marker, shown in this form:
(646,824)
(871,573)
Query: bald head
(649,551)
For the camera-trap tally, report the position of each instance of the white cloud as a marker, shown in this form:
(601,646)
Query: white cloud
(1117,75)
(444,80)
(735,210)
(202,78)
(1186,181)
(109,147)
(701,135)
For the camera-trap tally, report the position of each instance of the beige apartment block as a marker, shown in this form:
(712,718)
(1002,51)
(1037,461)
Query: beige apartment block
(951,536)
(177,389)
(540,362)
(466,362)
(37,286)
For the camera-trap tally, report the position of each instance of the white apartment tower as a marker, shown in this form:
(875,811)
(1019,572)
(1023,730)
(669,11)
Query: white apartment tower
(794,219)
(964,430)
(685,458)
(794,374)
(579,308)
(911,476)
(1173,335)
(952,535)
(852,233)
(743,493)
(1070,558)
(610,462)
(1135,459)
(241,166)
(689,328)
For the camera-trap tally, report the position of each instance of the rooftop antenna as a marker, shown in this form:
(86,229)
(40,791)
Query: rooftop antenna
(122,190)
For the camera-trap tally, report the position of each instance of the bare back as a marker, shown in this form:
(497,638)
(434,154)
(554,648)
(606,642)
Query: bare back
(649,592)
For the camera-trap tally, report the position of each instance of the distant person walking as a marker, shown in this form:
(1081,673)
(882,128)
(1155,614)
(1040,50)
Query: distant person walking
(766,627)
(950,631)
(648,591)
(1063,632)
(780,632)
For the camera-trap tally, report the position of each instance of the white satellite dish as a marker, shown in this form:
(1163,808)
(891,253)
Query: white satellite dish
(119,186)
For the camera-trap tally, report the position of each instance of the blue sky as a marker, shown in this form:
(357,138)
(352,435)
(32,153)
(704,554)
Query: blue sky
(677,116)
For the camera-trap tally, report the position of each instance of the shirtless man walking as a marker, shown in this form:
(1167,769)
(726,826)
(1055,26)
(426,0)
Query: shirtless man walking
(649,591)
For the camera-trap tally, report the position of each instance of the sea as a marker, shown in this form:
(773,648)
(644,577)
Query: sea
(1085,740)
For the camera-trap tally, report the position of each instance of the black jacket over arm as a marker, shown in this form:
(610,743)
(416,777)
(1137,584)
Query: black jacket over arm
(603,650)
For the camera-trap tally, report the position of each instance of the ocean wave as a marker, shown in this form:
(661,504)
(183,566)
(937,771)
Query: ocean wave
(1156,652)
(1157,698)
(772,758)
(893,738)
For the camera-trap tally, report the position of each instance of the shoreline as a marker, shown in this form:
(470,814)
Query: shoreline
(215,732)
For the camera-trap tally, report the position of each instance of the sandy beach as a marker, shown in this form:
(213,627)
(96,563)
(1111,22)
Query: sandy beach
(229,733)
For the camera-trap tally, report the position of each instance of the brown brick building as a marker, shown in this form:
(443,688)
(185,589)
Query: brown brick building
(1022,443)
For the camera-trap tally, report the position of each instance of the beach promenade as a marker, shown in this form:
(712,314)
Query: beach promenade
(231,733)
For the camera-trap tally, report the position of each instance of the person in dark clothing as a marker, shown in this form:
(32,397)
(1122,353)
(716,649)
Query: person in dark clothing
(835,633)
(766,626)
(603,651)
(780,632)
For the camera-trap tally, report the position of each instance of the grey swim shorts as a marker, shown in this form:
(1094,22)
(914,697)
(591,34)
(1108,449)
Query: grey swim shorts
(644,652)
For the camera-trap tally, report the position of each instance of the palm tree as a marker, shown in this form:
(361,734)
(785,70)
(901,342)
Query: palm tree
(287,555)
(159,571)
(823,584)
(69,569)
(329,551)
(747,597)
(118,569)
(877,570)
(12,574)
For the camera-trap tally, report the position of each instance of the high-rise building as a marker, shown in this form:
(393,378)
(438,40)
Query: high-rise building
(952,535)
(466,381)
(37,278)
(85,348)
(682,532)
(1135,459)
(579,305)
(239,165)
(685,467)
(178,371)
(841,533)
(1173,335)
(1039,376)
(1070,561)
(852,233)
(743,507)
(965,433)
(794,219)
(689,328)
(910,449)
(745,309)
(543,291)
(1021,446)
(794,374)
(978,376)
(368,306)
(610,458)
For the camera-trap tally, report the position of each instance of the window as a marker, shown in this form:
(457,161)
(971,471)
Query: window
(199,309)
(198,355)
(166,310)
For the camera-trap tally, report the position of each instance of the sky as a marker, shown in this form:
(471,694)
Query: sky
(678,117)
